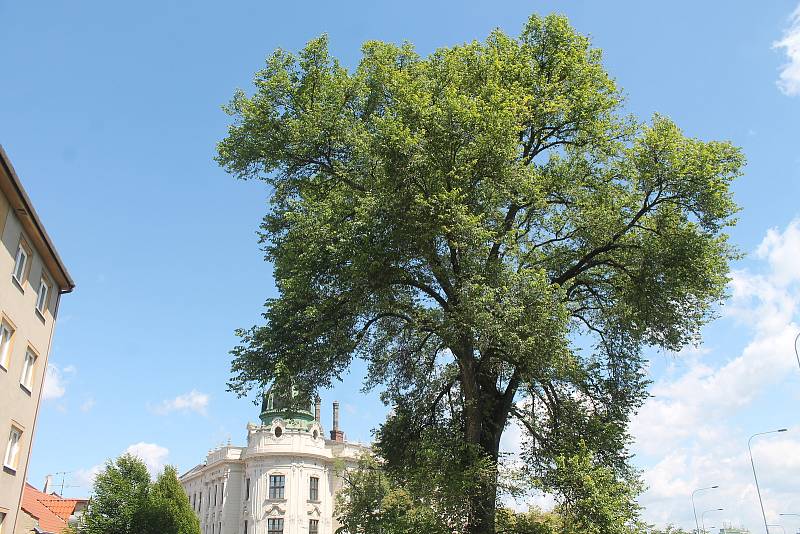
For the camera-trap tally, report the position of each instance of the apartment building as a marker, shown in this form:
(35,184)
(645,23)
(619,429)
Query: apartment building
(32,280)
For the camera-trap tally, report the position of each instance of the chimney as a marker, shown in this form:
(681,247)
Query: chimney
(48,482)
(317,408)
(336,434)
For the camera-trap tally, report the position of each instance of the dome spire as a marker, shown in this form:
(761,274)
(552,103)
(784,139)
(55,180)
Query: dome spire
(284,400)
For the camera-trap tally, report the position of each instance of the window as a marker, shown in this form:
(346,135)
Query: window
(215,494)
(275,526)
(313,488)
(6,332)
(12,449)
(245,526)
(276,485)
(41,299)
(247,489)
(313,526)
(2,521)
(20,262)
(27,370)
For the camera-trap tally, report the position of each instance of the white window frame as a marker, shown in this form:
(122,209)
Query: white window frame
(19,267)
(6,337)
(273,487)
(11,459)
(43,296)
(26,379)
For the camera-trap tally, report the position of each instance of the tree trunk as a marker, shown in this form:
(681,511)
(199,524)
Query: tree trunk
(485,420)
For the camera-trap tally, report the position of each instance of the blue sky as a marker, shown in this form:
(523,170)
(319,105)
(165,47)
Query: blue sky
(110,113)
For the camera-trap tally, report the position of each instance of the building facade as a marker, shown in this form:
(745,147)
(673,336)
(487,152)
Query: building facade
(32,280)
(285,479)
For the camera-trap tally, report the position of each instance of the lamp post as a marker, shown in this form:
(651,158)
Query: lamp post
(694,510)
(755,477)
(796,355)
(703,517)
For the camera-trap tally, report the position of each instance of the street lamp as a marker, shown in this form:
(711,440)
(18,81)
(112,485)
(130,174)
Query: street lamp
(755,477)
(795,350)
(694,510)
(703,517)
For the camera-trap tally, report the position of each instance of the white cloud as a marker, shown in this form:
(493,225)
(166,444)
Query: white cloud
(193,401)
(692,422)
(789,79)
(84,478)
(88,404)
(154,456)
(54,385)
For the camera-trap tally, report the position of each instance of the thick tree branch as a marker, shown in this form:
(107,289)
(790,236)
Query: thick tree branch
(612,244)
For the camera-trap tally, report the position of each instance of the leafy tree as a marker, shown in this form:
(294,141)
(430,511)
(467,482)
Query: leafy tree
(490,233)
(594,499)
(120,492)
(167,509)
(371,503)
(669,529)
(124,501)
(532,522)
(427,495)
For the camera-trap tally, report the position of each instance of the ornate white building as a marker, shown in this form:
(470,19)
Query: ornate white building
(283,481)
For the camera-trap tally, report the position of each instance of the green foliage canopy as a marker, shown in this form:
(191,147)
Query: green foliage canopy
(167,509)
(120,492)
(124,501)
(464,222)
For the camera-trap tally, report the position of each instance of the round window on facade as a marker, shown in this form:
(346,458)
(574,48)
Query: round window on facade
(278,431)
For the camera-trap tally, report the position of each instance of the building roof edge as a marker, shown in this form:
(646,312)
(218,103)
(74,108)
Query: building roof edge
(66,282)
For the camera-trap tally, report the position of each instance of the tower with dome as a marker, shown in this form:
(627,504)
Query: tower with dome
(283,481)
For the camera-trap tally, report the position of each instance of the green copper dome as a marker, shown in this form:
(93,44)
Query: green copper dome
(295,408)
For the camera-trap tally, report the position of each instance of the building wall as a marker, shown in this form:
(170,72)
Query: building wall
(223,477)
(25,523)
(32,330)
(296,508)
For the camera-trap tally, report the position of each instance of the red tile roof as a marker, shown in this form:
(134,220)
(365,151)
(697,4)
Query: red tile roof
(51,510)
